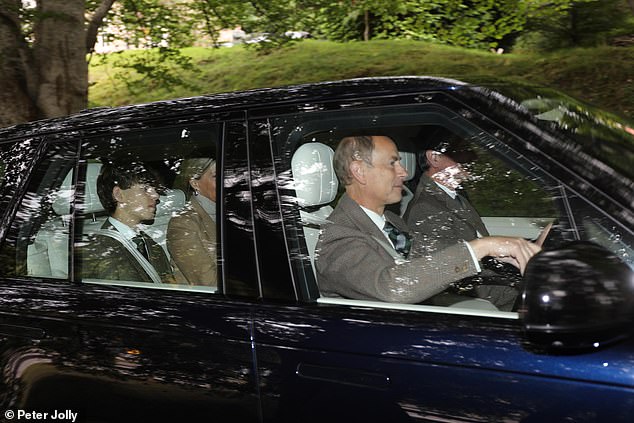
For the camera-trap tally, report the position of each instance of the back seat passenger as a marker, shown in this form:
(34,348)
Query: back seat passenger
(47,256)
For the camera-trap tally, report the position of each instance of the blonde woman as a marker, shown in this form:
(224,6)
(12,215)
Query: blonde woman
(191,235)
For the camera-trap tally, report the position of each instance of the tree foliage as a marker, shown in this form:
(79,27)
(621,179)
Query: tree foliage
(45,44)
(579,23)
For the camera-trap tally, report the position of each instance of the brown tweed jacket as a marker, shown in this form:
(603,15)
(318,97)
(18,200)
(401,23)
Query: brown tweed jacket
(353,260)
(191,241)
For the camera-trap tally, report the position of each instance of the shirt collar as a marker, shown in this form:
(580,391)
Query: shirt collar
(126,231)
(449,191)
(207,205)
(378,219)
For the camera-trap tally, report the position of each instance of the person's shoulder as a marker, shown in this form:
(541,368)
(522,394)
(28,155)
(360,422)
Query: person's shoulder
(346,212)
(184,214)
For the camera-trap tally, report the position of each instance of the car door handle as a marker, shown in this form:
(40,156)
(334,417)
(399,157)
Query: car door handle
(343,375)
(21,331)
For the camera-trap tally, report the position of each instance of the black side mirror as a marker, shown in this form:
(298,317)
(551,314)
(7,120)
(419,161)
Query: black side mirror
(576,297)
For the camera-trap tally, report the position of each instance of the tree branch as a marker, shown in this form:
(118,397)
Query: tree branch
(95,23)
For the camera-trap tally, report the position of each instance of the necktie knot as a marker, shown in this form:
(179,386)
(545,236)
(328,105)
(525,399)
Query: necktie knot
(401,240)
(139,241)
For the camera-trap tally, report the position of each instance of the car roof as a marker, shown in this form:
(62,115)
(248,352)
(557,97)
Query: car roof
(238,100)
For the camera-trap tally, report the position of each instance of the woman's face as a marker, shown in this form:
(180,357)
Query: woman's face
(206,184)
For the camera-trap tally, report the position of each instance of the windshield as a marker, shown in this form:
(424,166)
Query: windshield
(599,134)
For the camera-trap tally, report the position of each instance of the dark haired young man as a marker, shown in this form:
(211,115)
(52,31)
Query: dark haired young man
(120,250)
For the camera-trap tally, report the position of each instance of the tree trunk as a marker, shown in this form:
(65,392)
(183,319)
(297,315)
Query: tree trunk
(16,103)
(59,53)
(45,74)
(95,23)
(366,30)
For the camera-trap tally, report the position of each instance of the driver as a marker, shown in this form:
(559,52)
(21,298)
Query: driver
(440,213)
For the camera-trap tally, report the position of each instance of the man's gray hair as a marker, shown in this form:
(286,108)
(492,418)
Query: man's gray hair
(349,150)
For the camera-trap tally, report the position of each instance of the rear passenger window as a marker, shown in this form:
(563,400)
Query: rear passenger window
(37,242)
(146,209)
(137,209)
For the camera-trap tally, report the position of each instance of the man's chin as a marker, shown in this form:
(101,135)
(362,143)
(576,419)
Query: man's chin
(395,200)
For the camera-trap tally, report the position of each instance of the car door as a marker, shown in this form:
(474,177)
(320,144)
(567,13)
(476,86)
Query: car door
(339,359)
(115,349)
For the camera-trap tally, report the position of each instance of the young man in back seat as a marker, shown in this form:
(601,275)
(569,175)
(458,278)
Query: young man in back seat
(120,250)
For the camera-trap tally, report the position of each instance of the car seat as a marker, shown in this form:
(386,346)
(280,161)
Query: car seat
(316,187)
(408,161)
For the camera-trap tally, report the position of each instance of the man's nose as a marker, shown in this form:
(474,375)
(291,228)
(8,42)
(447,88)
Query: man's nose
(402,172)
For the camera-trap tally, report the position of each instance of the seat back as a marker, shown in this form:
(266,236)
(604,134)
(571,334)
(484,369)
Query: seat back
(170,202)
(316,187)
(408,160)
(48,255)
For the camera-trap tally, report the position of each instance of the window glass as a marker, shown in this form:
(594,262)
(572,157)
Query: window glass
(16,159)
(37,241)
(275,274)
(239,258)
(594,225)
(146,213)
(496,190)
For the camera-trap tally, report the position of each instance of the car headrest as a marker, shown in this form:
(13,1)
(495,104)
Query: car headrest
(172,200)
(61,204)
(408,160)
(314,176)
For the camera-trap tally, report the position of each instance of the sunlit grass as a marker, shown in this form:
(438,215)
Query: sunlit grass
(602,76)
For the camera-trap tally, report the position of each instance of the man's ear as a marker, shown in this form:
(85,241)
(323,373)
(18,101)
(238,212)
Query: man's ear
(116,194)
(432,157)
(357,171)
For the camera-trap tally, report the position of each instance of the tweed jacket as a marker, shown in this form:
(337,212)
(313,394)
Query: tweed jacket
(191,241)
(103,257)
(354,260)
(439,220)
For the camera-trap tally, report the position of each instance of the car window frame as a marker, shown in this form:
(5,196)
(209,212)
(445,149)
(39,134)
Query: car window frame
(515,146)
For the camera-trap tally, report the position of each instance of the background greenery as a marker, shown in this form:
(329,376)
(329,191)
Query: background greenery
(602,75)
(43,71)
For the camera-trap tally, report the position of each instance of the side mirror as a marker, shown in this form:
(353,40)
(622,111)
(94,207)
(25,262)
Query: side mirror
(577,296)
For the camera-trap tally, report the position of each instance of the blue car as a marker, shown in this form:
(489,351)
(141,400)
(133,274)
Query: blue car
(217,313)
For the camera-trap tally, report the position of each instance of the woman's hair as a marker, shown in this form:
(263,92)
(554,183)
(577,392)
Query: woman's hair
(193,169)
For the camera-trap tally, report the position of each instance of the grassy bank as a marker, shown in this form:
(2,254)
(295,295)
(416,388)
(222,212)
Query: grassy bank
(600,76)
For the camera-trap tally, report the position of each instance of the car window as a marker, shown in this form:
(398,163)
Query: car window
(146,209)
(16,159)
(514,196)
(37,241)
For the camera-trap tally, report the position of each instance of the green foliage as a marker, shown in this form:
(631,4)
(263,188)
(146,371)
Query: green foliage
(576,23)
(474,23)
(160,28)
(601,76)
(151,69)
(168,25)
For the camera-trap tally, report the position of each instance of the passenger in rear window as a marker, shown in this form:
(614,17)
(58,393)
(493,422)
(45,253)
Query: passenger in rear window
(121,250)
(191,234)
